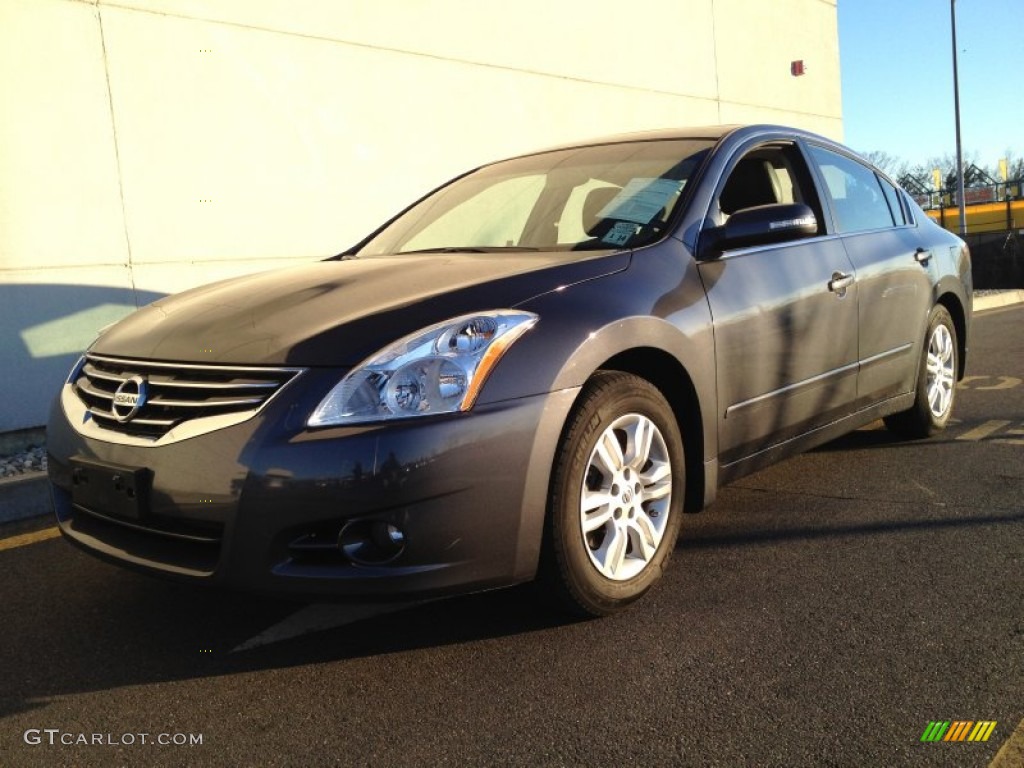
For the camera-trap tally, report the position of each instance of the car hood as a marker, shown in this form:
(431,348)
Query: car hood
(338,313)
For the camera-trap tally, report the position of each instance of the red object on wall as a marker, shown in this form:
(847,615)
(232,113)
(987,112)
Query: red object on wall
(796,68)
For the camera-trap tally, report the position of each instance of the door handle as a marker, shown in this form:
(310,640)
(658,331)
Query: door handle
(840,282)
(921,256)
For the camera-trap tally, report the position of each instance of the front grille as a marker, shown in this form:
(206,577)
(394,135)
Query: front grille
(174,393)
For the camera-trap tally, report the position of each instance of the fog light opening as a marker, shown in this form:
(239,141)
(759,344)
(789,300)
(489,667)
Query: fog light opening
(371,542)
(388,536)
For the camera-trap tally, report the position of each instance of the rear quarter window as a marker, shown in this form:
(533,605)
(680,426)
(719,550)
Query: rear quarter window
(892,197)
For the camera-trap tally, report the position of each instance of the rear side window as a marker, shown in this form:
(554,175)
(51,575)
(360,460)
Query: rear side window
(892,197)
(858,199)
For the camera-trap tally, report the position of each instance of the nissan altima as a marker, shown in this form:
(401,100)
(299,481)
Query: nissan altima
(531,373)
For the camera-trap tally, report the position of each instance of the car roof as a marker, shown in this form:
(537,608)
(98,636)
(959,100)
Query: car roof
(713,133)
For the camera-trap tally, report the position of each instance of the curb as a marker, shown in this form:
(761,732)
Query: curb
(997,300)
(24,496)
(1012,751)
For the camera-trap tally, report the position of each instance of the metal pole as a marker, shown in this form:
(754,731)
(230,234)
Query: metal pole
(956,109)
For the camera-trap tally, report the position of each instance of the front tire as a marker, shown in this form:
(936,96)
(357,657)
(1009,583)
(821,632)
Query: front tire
(616,496)
(936,381)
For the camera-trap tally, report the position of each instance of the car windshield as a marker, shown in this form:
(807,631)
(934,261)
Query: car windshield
(607,196)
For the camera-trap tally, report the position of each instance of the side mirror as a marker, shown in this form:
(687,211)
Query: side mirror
(766,224)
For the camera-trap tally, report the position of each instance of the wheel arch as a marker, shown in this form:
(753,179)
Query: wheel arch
(953,305)
(678,359)
(669,376)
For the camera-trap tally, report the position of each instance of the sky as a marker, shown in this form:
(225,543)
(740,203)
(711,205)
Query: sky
(897,73)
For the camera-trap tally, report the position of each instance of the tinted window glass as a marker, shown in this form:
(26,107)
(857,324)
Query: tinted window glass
(495,217)
(893,198)
(857,197)
(908,207)
(768,174)
(607,196)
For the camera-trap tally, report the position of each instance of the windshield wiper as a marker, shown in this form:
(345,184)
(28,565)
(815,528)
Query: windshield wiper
(471,249)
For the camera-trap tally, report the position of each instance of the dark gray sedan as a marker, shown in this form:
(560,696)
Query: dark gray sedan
(533,371)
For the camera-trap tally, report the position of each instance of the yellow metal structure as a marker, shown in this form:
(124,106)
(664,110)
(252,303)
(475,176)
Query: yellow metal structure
(986,217)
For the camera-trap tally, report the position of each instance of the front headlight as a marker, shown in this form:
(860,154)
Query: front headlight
(439,369)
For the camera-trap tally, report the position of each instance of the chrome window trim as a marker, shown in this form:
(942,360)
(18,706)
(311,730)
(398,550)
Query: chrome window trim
(774,246)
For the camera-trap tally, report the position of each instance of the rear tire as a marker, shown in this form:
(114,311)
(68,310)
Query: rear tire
(936,381)
(616,496)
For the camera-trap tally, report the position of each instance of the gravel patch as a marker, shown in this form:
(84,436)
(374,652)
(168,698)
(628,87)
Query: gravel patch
(32,459)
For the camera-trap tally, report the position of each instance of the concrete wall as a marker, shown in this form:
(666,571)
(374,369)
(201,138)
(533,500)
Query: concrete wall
(151,145)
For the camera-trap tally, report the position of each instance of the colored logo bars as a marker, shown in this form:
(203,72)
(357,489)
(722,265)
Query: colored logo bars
(958,730)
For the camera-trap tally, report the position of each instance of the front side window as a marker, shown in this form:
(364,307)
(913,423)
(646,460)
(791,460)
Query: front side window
(858,201)
(608,196)
(767,175)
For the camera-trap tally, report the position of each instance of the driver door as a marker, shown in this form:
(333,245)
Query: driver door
(785,332)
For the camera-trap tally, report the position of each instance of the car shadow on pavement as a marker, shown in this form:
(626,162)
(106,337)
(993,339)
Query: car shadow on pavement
(84,626)
(877,436)
(715,538)
(872,436)
(75,625)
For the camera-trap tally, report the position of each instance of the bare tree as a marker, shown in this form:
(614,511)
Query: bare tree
(920,175)
(890,165)
(974,175)
(1014,167)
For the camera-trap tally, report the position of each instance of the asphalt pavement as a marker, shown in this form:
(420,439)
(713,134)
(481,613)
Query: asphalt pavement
(822,613)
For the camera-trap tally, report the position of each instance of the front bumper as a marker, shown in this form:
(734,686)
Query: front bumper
(259,505)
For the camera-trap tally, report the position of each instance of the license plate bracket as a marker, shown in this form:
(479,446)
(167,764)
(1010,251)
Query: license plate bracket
(109,489)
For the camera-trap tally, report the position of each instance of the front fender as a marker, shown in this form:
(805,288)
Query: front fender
(657,304)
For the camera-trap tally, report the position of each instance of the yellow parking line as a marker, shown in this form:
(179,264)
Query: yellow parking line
(29,538)
(984,430)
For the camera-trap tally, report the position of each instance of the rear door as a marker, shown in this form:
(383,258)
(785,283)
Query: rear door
(785,333)
(894,272)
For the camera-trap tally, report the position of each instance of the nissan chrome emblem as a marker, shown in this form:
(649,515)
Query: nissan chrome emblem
(129,398)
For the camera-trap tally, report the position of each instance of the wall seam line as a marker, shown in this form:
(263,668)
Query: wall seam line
(714,47)
(405,52)
(117,157)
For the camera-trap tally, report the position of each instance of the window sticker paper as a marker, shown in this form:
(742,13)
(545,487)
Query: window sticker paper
(641,200)
(620,233)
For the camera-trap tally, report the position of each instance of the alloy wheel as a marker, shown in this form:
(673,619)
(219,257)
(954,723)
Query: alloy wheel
(626,497)
(941,376)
